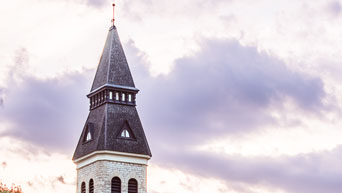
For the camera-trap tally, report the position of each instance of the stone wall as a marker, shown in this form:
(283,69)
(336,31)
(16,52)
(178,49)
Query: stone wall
(102,173)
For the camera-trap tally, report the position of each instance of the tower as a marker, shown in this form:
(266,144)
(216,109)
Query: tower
(112,152)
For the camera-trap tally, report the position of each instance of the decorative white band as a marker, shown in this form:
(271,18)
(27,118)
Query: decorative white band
(111,156)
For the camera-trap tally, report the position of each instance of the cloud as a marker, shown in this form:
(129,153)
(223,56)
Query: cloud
(319,172)
(97,3)
(225,88)
(335,7)
(1,99)
(164,9)
(46,112)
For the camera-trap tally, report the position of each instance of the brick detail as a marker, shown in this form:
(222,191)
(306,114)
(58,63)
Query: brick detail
(102,173)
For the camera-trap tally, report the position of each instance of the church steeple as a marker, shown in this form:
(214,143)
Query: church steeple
(112,107)
(112,151)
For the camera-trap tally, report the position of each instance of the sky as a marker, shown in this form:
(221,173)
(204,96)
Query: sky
(236,96)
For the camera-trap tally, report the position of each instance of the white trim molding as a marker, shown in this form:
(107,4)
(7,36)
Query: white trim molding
(111,156)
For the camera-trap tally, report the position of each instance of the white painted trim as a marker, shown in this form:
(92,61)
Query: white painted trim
(111,156)
(113,86)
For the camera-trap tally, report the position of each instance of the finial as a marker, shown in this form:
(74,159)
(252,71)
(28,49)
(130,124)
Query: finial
(113,20)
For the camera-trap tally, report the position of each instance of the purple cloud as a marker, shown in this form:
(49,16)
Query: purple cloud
(335,7)
(1,99)
(49,112)
(319,172)
(222,90)
(225,89)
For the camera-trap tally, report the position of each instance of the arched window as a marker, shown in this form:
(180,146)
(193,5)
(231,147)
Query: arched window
(132,186)
(116,185)
(83,187)
(91,186)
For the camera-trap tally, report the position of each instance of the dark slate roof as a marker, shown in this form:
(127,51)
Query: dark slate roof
(108,120)
(113,67)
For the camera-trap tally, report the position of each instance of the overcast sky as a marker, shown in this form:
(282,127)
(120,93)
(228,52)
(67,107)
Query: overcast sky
(235,96)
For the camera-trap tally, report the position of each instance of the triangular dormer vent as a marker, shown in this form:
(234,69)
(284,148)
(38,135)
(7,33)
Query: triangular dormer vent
(126,131)
(89,133)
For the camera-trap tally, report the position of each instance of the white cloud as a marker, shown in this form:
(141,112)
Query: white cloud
(35,169)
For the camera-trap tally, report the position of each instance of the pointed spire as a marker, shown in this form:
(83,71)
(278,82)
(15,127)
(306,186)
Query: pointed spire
(113,67)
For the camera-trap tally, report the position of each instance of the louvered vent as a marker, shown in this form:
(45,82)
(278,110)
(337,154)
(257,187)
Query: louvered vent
(83,188)
(132,186)
(116,185)
(91,186)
